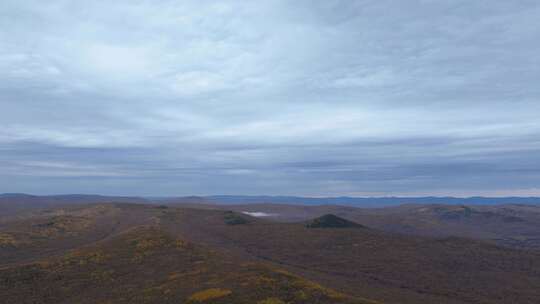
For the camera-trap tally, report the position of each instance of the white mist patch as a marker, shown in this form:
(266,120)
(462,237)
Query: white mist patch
(259,214)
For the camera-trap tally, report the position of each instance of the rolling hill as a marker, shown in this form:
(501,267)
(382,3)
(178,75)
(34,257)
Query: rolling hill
(516,226)
(134,253)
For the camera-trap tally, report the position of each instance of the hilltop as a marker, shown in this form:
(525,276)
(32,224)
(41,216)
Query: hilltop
(332,221)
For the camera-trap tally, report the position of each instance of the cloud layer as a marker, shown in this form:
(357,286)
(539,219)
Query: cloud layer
(270,97)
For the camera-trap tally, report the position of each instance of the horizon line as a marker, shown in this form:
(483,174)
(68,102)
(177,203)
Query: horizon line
(273,196)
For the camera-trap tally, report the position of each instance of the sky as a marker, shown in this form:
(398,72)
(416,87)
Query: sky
(311,98)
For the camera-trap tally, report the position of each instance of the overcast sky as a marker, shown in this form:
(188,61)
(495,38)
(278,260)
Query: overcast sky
(315,98)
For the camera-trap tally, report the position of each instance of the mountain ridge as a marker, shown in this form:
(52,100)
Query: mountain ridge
(375,201)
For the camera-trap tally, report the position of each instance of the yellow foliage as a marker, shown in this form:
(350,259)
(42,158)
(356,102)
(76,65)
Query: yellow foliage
(180,244)
(263,280)
(62,225)
(308,286)
(209,294)
(150,243)
(178,275)
(312,286)
(271,301)
(301,295)
(83,258)
(7,240)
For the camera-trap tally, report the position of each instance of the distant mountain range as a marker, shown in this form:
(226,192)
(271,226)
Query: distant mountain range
(294,200)
(359,201)
(11,203)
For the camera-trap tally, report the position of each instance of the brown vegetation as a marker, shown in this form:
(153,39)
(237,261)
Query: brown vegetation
(142,254)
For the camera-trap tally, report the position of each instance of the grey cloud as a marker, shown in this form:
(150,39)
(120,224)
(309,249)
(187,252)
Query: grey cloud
(269,97)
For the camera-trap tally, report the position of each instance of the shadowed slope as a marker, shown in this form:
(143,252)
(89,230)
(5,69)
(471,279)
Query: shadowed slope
(332,221)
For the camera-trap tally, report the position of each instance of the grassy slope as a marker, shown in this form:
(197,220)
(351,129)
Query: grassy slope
(391,268)
(145,265)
